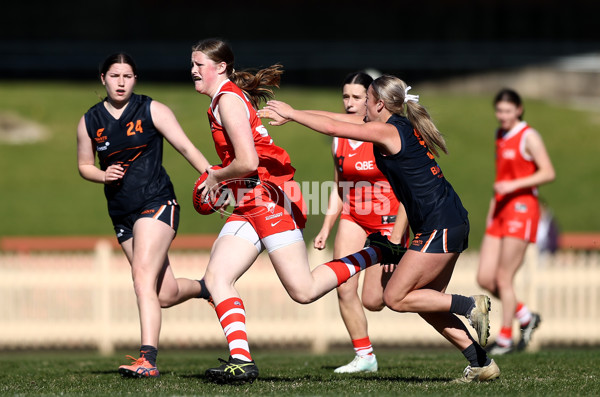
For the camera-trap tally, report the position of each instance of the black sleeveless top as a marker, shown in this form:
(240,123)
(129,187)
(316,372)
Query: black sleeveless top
(133,142)
(418,182)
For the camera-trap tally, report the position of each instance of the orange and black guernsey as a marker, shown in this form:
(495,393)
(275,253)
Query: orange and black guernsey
(133,142)
(418,182)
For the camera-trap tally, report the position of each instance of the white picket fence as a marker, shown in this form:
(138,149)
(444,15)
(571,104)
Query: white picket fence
(86,299)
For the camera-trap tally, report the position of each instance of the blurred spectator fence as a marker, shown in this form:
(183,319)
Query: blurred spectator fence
(85,299)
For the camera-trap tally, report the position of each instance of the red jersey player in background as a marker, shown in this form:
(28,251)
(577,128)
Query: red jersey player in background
(365,203)
(522,164)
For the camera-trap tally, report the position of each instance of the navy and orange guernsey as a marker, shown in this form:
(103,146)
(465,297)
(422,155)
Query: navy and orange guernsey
(418,182)
(133,142)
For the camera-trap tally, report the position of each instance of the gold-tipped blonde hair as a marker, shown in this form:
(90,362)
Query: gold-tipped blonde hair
(258,86)
(392,91)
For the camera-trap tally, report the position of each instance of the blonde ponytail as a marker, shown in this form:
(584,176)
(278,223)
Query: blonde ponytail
(392,91)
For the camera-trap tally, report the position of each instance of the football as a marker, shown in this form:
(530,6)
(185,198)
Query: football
(206,206)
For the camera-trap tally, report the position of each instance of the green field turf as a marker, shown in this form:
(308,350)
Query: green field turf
(402,373)
(42,193)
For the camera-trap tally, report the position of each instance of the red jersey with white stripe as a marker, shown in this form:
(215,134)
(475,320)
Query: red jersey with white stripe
(367,195)
(512,161)
(516,214)
(274,163)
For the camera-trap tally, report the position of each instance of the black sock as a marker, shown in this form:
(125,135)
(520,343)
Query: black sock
(461,305)
(204,294)
(476,355)
(149,353)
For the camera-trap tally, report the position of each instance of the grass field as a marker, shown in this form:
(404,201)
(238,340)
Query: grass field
(402,372)
(42,193)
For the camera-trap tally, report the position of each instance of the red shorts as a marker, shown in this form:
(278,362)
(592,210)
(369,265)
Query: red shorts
(271,209)
(516,217)
(377,223)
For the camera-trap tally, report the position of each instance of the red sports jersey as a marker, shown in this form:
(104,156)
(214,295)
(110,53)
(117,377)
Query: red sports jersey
(276,204)
(274,163)
(512,162)
(366,192)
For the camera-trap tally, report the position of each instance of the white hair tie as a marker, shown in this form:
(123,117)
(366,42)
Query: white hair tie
(409,97)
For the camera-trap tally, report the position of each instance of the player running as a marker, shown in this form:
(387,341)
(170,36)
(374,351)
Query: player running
(405,150)
(126,130)
(522,164)
(364,201)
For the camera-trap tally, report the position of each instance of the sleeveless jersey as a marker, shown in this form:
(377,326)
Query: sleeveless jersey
(274,164)
(133,142)
(512,162)
(364,189)
(418,182)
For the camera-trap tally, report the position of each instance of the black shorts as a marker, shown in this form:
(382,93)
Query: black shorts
(167,213)
(453,239)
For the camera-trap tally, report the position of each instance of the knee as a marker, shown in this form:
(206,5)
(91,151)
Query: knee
(394,301)
(301,297)
(486,282)
(373,303)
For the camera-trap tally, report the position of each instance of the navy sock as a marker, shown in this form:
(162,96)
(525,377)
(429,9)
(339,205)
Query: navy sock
(461,304)
(149,353)
(476,355)
(204,294)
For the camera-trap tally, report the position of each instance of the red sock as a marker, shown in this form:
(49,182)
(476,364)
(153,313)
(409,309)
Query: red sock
(232,316)
(348,266)
(363,346)
(505,337)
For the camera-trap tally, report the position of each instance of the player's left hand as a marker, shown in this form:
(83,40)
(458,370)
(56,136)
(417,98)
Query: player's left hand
(505,187)
(276,119)
(281,108)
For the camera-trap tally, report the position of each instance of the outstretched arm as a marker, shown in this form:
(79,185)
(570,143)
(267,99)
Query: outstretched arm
(384,135)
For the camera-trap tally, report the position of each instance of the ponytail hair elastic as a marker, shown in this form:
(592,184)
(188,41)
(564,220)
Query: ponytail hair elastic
(409,97)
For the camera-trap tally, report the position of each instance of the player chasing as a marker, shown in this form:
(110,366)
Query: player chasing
(522,164)
(269,216)
(126,130)
(364,201)
(405,150)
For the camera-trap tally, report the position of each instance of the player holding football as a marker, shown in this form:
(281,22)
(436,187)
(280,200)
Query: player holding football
(522,164)
(364,201)
(405,150)
(126,130)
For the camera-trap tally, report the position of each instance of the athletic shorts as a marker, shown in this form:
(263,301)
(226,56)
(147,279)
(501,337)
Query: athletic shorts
(384,226)
(270,209)
(167,213)
(517,217)
(245,230)
(452,239)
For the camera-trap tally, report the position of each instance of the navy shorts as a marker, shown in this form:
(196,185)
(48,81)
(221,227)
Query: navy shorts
(167,213)
(453,239)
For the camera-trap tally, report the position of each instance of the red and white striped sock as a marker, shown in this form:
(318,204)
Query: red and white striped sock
(522,314)
(232,316)
(348,266)
(363,347)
